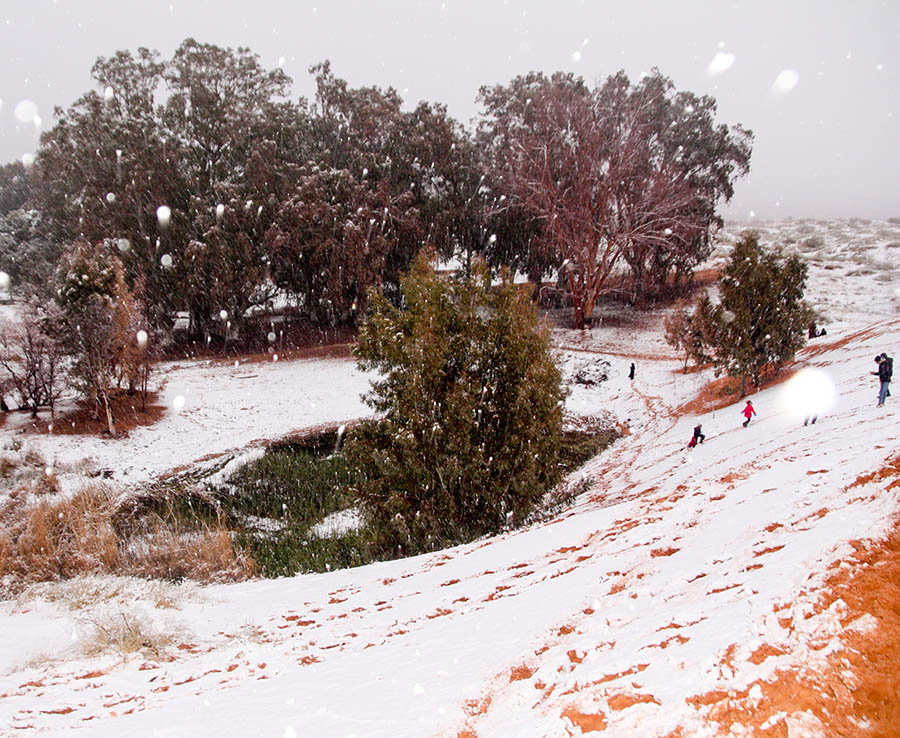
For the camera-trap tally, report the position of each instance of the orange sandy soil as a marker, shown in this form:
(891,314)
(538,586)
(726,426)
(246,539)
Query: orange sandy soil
(725,391)
(127,412)
(857,693)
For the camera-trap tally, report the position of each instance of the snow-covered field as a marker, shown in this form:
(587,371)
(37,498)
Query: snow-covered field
(657,585)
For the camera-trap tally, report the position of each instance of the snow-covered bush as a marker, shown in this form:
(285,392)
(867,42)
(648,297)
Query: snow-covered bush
(471,405)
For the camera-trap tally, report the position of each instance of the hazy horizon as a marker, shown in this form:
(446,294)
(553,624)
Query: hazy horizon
(816,82)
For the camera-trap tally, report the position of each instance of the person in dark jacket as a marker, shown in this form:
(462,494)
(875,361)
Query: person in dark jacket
(631,371)
(698,436)
(884,373)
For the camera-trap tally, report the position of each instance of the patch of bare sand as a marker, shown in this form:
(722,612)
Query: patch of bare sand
(856,693)
(129,412)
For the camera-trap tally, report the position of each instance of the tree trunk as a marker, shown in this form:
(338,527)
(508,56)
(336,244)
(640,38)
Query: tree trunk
(109,415)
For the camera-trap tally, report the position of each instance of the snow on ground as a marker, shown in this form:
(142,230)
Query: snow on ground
(658,584)
(213,410)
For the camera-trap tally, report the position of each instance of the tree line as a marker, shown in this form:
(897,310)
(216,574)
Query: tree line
(194,185)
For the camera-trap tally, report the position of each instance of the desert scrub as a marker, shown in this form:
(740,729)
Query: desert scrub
(58,538)
(124,634)
(53,539)
(278,500)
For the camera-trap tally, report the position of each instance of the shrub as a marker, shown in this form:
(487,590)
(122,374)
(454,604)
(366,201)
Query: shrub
(56,539)
(762,319)
(471,405)
(119,633)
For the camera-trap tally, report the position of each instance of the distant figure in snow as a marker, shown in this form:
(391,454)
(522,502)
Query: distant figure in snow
(698,436)
(807,421)
(631,371)
(885,370)
(748,413)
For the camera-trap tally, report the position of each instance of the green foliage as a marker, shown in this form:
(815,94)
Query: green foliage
(762,318)
(578,447)
(297,483)
(275,501)
(471,405)
(694,334)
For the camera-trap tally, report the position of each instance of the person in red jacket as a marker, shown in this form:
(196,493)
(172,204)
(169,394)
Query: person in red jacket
(748,412)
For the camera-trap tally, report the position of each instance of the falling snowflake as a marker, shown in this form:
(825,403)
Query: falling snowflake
(786,81)
(720,63)
(25,111)
(163,215)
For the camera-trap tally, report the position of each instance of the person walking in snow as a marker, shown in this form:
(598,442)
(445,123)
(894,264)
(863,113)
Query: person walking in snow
(748,413)
(884,373)
(631,371)
(698,436)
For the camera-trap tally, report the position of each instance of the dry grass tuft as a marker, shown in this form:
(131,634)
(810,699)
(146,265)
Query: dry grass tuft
(123,634)
(63,538)
(59,538)
(205,554)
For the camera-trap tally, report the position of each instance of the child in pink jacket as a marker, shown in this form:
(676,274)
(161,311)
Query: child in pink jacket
(748,412)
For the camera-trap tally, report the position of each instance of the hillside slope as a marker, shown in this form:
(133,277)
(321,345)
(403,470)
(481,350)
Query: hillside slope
(681,580)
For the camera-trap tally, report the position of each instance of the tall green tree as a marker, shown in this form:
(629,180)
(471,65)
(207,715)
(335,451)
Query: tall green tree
(762,319)
(208,127)
(470,410)
(329,241)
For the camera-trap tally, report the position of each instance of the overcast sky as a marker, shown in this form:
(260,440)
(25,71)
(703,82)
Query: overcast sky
(817,81)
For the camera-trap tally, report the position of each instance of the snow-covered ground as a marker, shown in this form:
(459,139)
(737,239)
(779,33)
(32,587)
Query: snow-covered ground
(657,585)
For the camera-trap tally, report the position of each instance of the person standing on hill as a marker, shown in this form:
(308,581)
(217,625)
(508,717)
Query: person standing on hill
(884,373)
(748,413)
(631,371)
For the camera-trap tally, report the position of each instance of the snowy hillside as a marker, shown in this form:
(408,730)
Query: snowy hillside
(682,580)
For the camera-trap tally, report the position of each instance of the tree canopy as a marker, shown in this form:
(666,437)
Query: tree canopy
(623,172)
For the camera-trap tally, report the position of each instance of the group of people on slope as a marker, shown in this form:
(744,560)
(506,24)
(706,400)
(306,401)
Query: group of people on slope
(884,373)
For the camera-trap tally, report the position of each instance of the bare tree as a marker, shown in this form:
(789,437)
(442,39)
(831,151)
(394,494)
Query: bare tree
(33,360)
